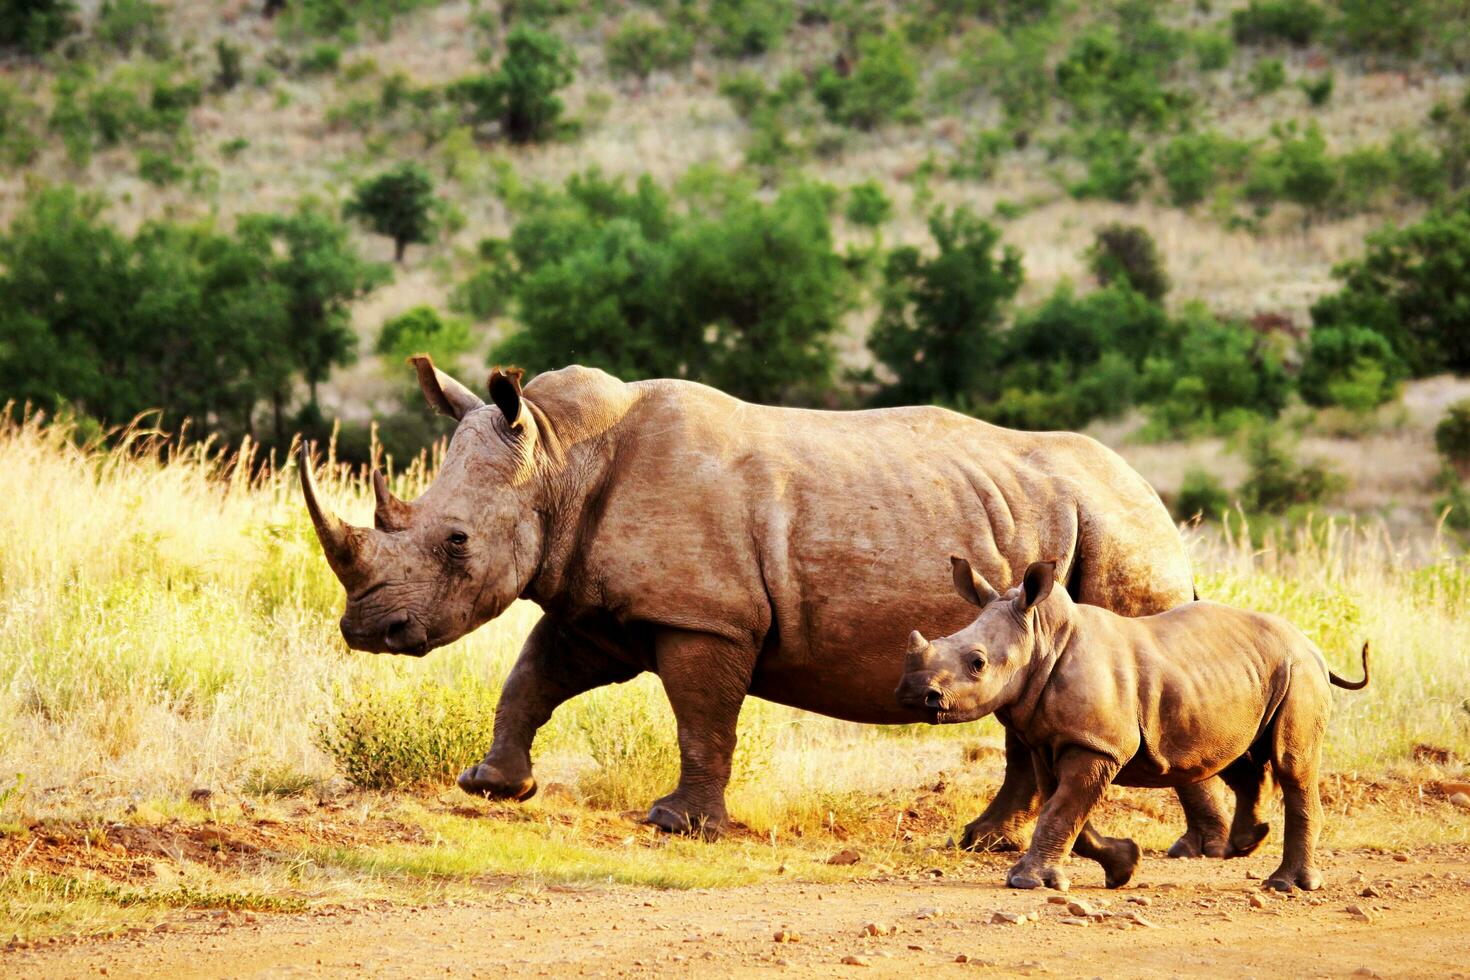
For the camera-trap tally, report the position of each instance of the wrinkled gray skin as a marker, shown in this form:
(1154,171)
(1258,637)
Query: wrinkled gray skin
(1164,700)
(734,550)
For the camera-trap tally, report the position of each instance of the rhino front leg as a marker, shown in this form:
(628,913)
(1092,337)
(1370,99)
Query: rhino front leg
(706,679)
(555,665)
(1002,827)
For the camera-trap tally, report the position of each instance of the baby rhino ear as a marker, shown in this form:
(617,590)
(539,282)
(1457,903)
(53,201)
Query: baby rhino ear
(1037,583)
(970,584)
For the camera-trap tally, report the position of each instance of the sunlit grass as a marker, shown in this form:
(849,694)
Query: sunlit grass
(167,623)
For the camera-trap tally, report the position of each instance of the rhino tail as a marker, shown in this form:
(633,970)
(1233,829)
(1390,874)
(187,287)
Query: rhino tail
(1352,685)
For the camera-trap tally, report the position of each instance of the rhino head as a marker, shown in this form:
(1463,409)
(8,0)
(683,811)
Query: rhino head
(433,569)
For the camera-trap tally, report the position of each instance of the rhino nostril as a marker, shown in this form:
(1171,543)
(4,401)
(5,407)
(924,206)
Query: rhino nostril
(400,633)
(933,699)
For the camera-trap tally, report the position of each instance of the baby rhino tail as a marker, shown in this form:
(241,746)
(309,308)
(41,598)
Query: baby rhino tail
(1353,685)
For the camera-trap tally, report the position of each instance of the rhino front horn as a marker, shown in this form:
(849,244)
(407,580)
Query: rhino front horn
(917,643)
(340,541)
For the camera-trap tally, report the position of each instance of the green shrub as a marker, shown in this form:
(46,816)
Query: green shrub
(1409,287)
(1455,504)
(487,291)
(746,91)
(1297,168)
(324,59)
(1213,50)
(1295,22)
(1394,28)
(1010,65)
(1349,366)
(1114,166)
(398,203)
(125,25)
(1452,435)
(36,26)
(1267,75)
(867,205)
(1318,90)
(19,142)
(940,316)
(520,96)
(1200,495)
(230,60)
(980,153)
(641,45)
(422,330)
(743,28)
(1276,483)
(409,737)
(1192,164)
(1218,376)
(159,167)
(233,147)
(881,87)
(1126,254)
(1115,77)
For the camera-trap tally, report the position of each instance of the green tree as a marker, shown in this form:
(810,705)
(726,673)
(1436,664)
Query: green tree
(881,86)
(424,330)
(520,96)
(398,203)
(1452,436)
(35,26)
(749,27)
(1350,366)
(940,315)
(1412,286)
(1127,254)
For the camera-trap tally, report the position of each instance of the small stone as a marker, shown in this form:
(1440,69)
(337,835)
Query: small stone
(847,856)
(1007,919)
(916,947)
(1252,876)
(1056,900)
(786,936)
(962,958)
(1138,920)
(1074,920)
(1078,907)
(877,929)
(1370,892)
(1143,900)
(928,912)
(852,959)
(200,795)
(1257,902)
(1365,971)
(1359,913)
(781,961)
(1461,800)
(1401,858)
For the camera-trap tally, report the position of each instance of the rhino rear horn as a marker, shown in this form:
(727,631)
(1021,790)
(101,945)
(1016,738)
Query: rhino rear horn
(389,513)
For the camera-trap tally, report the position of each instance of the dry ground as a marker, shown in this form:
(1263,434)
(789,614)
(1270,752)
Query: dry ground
(1180,917)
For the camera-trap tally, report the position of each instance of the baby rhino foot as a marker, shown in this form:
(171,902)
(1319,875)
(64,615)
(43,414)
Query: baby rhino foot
(1119,861)
(1245,842)
(1283,879)
(1025,876)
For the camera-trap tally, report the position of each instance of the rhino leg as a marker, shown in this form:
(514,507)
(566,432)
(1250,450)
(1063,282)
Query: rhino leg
(1205,830)
(1248,778)
(1002,827)
(555,665)
(706,679)
(1295,755)
(1072,789)
(1118,856)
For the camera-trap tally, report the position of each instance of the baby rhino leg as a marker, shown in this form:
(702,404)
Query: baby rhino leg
(1070,792)
(1295,757)
(1117,855)
(1248,777)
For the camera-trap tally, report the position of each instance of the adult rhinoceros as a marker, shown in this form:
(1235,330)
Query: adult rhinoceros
(735,550)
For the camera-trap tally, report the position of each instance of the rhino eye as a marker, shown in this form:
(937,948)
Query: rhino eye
(457,541)
(977,663)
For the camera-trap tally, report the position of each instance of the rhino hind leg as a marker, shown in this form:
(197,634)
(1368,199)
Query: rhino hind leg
(1295,757)
(706,679)
(1206,833)
(1249,778)
(1002,827)
(1118,856)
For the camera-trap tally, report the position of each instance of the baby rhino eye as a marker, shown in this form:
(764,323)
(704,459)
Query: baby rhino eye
(977,663)
(459,539)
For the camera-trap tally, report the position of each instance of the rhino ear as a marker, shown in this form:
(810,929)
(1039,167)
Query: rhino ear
(444,395)
(505,392)
(970,584)
(1036,584)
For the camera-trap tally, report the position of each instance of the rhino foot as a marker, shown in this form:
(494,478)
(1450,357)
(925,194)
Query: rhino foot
(1244,843)
(1120,861)
(1196,844)
(1025,876)
(982,834)
(673,816)
(487,781)
(1283,879)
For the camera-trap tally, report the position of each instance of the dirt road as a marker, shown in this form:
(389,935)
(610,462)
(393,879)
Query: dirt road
(1180,918)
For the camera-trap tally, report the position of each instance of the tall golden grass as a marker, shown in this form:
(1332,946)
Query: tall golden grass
(167,622)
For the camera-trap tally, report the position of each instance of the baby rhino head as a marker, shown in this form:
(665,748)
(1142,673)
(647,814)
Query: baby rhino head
(969,674)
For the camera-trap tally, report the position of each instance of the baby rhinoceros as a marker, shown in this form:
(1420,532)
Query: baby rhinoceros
(1163,700)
